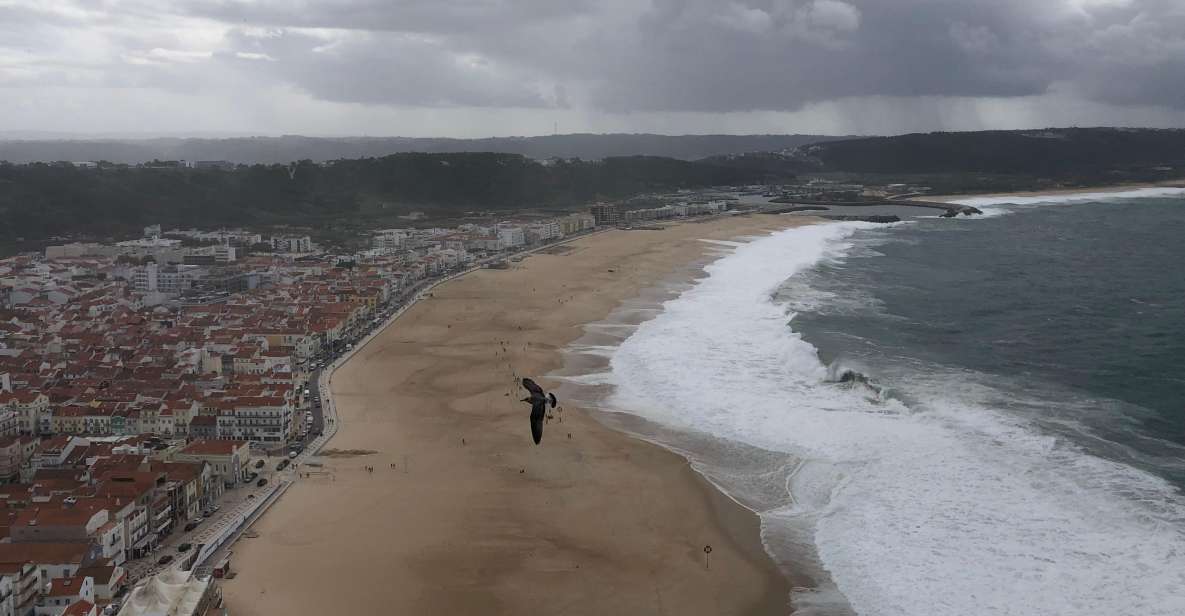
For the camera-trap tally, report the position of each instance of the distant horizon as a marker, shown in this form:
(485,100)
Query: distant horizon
(50,136)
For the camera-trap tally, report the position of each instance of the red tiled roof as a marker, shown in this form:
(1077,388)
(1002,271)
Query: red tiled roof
(217,448)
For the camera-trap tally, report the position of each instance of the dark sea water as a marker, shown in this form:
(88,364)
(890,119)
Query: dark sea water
(968,416)
(1073,312)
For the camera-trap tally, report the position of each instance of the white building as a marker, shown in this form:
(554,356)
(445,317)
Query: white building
(168,280)
(7,595)
(510,237)
(546,231)
(292,243)
(60,593)
(390,240)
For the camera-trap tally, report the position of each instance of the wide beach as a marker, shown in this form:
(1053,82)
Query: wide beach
(462,514)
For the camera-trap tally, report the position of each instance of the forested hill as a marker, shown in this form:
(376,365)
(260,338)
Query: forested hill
(1049,152)
(267,150)
(43,200)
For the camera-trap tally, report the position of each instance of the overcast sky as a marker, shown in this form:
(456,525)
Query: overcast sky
(470,68)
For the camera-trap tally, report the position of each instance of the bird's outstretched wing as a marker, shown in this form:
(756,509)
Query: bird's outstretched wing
(538,411)
(551,399)
(532,386)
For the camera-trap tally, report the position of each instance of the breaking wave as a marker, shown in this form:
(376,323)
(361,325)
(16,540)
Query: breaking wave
(942,504)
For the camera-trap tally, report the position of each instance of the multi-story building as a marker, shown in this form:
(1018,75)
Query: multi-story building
(22,579)
(64,592)
(11,459)
(10,423)
(389,240)
(546,231)
(7,595)
(576,223)
(292,243)
(28,405)
(228,459)
(265,419)
(168,279)
(607,214)
(68,524)
(511,236)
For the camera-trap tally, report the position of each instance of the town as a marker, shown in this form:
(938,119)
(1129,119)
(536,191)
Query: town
(156,392)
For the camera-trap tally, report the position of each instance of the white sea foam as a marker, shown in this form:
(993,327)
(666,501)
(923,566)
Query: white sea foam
(1004,204)
(947,508)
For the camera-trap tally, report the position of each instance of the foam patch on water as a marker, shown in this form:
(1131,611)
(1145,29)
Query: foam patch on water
(999,205)
(949,507)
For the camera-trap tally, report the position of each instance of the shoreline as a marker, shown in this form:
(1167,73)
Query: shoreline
(634,512)
(1110,188)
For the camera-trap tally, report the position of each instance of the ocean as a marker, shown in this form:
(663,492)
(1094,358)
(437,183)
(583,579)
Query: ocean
(942,416)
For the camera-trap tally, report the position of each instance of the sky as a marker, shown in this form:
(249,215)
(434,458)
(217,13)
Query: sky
(474,68)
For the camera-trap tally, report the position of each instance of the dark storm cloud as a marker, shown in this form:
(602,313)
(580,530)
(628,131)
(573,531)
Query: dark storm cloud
(719,56)
(771,54)
(610,55)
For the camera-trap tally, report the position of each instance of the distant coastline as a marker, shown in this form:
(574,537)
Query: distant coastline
(1105,188)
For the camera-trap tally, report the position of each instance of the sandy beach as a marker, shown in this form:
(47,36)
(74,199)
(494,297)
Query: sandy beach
(462,513)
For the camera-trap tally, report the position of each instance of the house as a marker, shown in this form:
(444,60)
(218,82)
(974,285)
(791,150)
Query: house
(7,595)
(53,525)
(23,581)
(228,459)
(13,457)
(264,419)
(201,427)
(28,405)
(109,580)
(9,422)
(81,608)
(61,593)
(52,560)
(53,453)
(131,501)
(185,482)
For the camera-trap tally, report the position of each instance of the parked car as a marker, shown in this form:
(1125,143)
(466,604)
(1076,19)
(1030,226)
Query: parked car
(262,482)
(282,465)
(166,559)
(184,547)
(192,525)
(259,464)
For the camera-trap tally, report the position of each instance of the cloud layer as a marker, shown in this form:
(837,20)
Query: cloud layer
(589,62)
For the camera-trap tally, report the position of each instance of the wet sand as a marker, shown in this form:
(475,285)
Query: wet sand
(463,514)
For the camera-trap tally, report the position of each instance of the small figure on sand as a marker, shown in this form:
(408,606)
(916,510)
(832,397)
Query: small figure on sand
(539,401)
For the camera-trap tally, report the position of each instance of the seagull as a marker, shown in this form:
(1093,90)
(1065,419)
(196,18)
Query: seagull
(539,402)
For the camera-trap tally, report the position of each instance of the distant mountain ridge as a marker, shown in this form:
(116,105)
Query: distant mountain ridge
(1043,152)
(250,150)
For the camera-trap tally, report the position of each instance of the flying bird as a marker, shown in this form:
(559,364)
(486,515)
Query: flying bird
(539,402)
